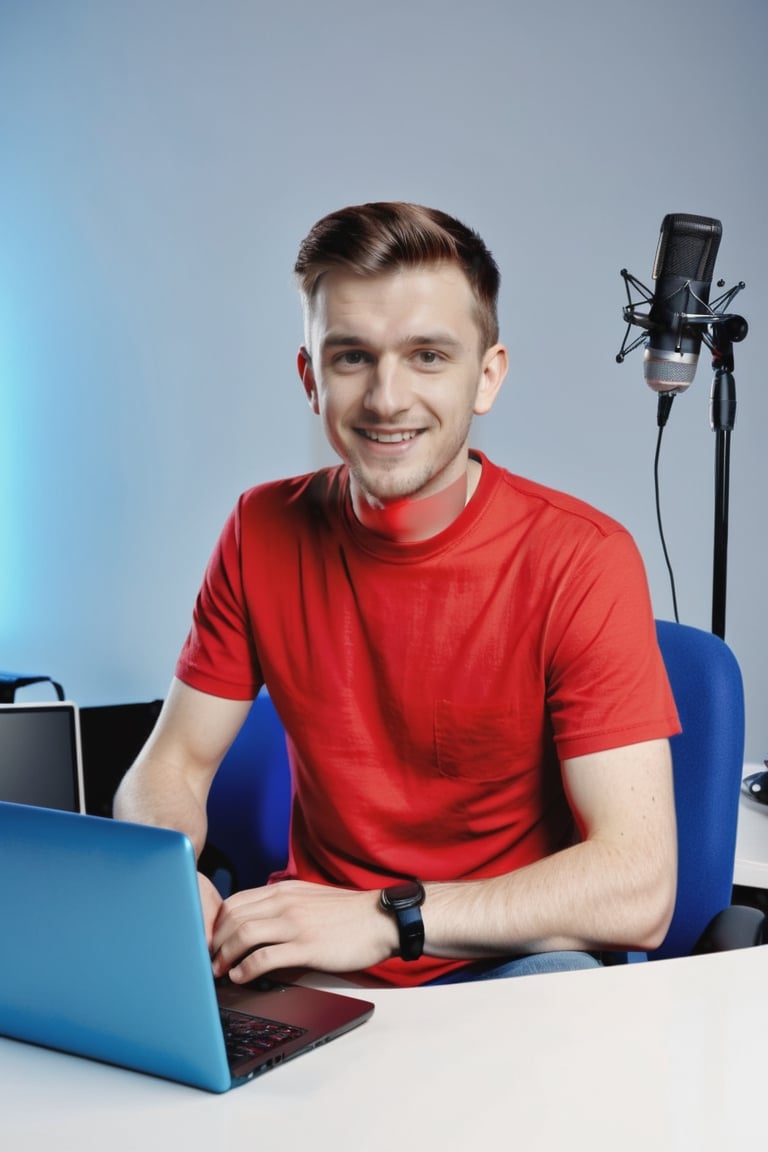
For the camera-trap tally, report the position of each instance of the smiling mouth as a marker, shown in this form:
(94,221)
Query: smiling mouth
(388,437)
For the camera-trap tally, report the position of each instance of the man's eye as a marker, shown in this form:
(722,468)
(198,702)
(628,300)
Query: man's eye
(351,358)
(428,357)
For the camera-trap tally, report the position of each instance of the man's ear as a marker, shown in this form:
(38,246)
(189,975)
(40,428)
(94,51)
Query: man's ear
(493,370)
(307,377)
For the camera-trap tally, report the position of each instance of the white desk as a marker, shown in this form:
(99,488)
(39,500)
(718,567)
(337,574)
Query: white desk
(751,865)
(668,1055)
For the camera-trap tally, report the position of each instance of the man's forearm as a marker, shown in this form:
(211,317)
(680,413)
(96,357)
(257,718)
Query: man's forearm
(588,897)
(546,907)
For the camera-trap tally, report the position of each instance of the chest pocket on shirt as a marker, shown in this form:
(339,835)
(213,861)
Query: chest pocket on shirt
(480,743)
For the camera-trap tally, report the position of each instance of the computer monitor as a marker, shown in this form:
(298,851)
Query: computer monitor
(40,757)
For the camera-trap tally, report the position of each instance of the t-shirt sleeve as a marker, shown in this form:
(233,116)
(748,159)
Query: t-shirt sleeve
(607,684)
(219,656)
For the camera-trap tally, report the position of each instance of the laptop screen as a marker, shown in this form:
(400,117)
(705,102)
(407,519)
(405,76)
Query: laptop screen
(40,761)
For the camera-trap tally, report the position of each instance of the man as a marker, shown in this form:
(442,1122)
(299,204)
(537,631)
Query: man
(465,662)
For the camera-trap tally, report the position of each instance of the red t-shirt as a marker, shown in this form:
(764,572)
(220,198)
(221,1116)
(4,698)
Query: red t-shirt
(429,690)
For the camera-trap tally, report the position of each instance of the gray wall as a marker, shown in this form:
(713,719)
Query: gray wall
(160,162)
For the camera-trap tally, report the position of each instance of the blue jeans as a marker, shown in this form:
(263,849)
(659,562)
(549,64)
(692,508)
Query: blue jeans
(536,964)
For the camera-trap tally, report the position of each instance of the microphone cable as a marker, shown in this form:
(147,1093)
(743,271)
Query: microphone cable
(663,410)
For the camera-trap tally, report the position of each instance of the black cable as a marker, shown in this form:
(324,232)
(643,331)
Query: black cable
(664,408)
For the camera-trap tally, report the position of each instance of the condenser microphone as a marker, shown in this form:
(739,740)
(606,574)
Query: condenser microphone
(683,271)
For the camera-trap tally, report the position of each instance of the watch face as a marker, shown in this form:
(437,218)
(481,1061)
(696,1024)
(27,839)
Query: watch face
(407,895)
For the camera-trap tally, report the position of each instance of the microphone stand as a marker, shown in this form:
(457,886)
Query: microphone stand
(725,331)
(722,419)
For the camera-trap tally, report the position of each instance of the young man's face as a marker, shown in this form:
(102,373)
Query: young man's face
(394,367)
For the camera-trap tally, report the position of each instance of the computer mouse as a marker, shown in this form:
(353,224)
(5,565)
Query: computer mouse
(756,786)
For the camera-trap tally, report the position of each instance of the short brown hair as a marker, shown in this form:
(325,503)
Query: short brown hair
(371,239)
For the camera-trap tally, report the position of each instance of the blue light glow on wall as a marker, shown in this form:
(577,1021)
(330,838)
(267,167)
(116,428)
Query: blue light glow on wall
(8,526)
(12,467)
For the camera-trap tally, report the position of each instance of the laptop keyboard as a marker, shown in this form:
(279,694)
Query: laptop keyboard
(247,1037)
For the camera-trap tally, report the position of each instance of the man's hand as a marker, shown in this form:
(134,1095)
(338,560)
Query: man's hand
(293,924)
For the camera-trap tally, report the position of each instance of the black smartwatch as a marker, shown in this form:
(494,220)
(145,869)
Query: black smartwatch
(405,901)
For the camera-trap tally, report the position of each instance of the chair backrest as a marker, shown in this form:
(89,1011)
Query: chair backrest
(708,760)
(249,801)
(112,736)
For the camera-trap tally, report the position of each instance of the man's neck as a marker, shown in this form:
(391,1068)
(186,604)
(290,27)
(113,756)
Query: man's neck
(411,519)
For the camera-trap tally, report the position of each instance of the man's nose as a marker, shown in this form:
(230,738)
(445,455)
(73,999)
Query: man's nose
(389,389)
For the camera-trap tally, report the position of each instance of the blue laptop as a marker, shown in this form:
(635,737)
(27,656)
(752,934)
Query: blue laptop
(110,959)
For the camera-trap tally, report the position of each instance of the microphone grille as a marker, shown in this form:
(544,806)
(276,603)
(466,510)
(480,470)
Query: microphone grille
(687,247)
(669,371)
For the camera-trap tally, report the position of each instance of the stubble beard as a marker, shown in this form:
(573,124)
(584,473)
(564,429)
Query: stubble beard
(391,482)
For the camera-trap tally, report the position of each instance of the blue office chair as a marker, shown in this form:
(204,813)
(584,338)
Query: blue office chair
(249,802)
(708,762)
